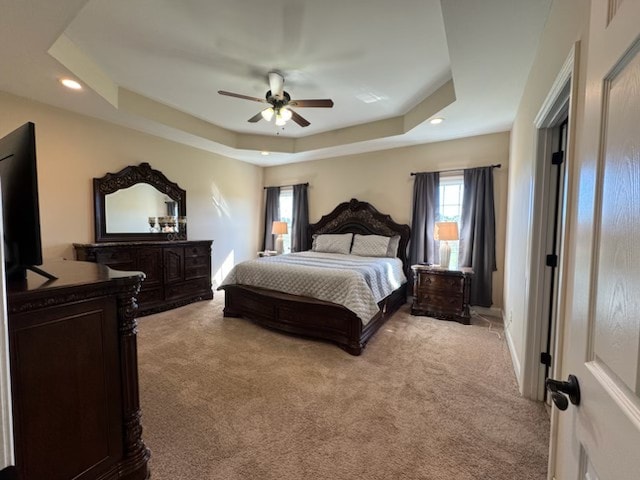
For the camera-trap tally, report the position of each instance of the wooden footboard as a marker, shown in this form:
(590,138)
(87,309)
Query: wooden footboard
(307,316)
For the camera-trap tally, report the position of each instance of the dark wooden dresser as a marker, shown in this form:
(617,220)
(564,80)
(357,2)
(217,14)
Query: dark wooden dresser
(74,374)
(177,273)
(441,293)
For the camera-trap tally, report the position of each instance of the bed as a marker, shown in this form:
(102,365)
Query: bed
(316,318)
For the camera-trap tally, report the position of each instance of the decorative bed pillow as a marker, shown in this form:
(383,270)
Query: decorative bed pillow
(332,243)
(394,243)
(370,245)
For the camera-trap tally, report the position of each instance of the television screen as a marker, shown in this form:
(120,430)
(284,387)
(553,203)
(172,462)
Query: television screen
(21,219)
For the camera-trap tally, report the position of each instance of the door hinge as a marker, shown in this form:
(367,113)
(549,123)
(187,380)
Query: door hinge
(545,359)
(557,158)
(552,260)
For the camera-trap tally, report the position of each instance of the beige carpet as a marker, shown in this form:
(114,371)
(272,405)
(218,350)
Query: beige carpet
(428,399)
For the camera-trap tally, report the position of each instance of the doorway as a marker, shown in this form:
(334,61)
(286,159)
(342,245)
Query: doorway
(554,226)
(554,124)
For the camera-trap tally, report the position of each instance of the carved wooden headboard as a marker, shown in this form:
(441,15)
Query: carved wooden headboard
(355,216)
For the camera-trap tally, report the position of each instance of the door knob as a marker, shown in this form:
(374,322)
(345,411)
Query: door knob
(559,389)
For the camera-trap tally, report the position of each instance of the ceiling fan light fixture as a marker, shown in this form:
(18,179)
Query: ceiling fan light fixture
(280,121)
(267,113)
(286,114)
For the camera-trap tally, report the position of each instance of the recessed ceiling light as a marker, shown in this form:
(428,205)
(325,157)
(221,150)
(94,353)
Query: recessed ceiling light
(436,121)
(370,97)
(72,84)
(264,152)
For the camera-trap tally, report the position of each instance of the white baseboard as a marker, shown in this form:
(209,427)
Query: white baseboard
(490,311)
(514,358)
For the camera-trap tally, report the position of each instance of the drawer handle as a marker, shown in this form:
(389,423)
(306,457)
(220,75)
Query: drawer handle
(448,300)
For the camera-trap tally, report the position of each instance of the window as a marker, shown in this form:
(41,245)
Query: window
(286,214)
(450,191)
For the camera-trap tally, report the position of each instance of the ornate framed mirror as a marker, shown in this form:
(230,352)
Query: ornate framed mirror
(138,204)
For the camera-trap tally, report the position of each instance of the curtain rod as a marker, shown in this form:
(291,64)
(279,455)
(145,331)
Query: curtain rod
(413,174)
(280,186)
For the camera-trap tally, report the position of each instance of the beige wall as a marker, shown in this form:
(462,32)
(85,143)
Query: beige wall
(383,179)
(567,23)
(223,195)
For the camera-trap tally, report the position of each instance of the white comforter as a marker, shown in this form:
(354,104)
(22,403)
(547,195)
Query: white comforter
(357,283)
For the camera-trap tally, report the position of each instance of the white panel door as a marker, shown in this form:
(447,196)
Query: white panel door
(600,438)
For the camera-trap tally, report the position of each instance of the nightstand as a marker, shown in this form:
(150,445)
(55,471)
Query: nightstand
(441,293)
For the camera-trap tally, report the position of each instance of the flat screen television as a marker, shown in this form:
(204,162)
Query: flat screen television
(20,210)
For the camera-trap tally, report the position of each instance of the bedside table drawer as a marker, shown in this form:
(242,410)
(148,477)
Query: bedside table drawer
(440,303)
(434,283)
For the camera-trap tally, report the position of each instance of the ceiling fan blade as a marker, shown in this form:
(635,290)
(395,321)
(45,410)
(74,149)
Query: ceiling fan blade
(327,103)
(256,118)
(303,122)
(246,97)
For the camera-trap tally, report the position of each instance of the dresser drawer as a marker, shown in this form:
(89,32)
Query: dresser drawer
(197,261)
(197,271)
(114,256)
(197,251)
(190,288)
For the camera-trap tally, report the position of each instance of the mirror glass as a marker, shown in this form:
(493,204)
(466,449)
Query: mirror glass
(136,209)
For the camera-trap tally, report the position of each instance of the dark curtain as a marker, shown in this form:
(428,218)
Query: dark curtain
(478,233)
(300,221)
(425,208)
(271,214)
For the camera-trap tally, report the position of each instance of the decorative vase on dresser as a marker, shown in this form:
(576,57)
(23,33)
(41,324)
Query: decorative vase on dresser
(74,374)
(441,293)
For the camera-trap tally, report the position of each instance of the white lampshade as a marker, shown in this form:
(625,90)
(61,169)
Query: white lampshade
(279,228)
(267,114)
(280,121)
(445,231)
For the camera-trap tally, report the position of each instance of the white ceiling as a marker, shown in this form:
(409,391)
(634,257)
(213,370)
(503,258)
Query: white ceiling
(156,66)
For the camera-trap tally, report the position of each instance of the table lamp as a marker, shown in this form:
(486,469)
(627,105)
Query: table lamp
(445,231)
(279,229)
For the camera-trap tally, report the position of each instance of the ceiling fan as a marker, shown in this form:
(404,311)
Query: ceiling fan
(281,103)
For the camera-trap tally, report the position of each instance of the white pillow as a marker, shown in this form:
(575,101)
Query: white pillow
(333,243)
(370,245)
